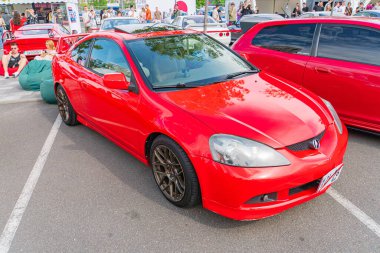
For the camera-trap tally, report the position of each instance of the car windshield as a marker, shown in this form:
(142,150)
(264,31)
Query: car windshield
(186,60)
(197,20)
(111,23)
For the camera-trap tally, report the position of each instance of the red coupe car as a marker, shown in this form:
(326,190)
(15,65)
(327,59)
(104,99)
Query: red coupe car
(337,58)
(213,128)
(31,38)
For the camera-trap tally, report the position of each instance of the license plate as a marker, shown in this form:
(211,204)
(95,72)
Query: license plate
(33,52)
(330,177)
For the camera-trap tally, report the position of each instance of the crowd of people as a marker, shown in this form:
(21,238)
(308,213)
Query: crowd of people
(339,7)
(145,15)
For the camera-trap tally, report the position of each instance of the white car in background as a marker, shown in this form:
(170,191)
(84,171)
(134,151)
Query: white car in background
(218,31)
(110,23)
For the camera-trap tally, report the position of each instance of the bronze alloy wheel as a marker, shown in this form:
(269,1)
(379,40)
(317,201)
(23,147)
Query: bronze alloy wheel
(65,108)
(168,173)
(63,105)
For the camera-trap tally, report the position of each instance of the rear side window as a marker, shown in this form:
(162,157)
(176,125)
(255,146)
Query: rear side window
(295,39)
(350,43)
(80,53)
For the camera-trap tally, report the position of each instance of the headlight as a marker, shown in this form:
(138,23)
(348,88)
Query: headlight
(237,151)
(335,115)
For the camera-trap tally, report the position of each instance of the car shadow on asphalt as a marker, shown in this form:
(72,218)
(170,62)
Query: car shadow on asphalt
(135,174)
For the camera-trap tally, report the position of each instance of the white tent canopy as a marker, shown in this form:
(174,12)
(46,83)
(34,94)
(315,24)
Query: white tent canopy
(41,1)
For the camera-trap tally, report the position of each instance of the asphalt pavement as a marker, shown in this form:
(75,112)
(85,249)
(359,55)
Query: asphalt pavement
(92,196)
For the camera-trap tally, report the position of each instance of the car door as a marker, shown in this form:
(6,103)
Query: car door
(346,71)
(76,64)
(282,50)
(114,112)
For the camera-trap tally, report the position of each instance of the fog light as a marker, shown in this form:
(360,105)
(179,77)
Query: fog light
(268,197)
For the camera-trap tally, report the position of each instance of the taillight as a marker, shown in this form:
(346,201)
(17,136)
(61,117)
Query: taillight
(221,34)
(227,34)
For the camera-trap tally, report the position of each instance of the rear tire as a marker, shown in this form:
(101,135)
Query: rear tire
(174,173)
(65,108)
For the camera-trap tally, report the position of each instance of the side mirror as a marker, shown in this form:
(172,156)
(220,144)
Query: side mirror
(115,81)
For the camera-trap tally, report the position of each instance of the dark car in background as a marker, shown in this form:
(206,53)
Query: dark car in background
(247,22)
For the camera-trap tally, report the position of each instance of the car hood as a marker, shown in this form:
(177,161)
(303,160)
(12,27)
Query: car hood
(258,107)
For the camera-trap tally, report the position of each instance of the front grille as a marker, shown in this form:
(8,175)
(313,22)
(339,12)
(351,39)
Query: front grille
(305,145)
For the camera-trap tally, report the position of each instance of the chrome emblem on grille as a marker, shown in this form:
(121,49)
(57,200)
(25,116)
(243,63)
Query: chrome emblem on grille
(314,144)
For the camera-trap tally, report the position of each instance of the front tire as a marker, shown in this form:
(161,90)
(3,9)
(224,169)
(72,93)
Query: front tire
(65,108)
(174,173)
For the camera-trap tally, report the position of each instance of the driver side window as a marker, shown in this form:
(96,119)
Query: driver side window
(80,53)
(107,57)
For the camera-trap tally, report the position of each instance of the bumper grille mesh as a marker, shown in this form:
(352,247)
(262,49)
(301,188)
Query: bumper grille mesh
(305,145)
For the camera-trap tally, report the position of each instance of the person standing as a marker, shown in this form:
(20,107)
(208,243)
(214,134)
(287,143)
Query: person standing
(157,16)
(7,17)
(232,14)
(15,22)
(328,6)
(58,17)
(2,27)
(247,10)
(318,7)
(148,14)
(360,7)
(348,11)
(31,16)
(176,12)
(215,14)
(86,19)
(143,15)
(305,8)
(377,7)
(92,18)
(336,7)
(132,12)
(24,21)
(296,11)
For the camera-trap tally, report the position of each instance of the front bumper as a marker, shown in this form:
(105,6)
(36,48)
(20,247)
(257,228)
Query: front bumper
(233,191)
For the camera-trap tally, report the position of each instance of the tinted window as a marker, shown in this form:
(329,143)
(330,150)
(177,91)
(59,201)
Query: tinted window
(296,39)
(349,43)
(107,57)
(80,53)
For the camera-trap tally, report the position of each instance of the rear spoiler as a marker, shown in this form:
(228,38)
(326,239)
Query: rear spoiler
(65,42)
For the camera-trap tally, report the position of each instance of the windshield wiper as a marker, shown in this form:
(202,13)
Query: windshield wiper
(178,86)
(233,75)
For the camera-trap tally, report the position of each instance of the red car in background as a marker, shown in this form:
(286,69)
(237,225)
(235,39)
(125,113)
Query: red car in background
(337,58)
(31,38)
(213,128)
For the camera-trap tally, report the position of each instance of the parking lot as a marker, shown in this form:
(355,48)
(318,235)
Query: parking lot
(91,196)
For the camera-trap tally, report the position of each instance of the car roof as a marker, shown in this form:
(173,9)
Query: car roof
(128,32)
(329,19)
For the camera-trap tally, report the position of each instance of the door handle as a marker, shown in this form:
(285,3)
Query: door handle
(322,70)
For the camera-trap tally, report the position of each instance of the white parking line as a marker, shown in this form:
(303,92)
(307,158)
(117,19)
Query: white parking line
(22,202)
(354,210)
